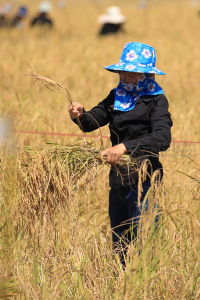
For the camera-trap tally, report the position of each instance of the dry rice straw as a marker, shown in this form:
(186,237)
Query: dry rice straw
(52,85)
(46,174)
(49,83)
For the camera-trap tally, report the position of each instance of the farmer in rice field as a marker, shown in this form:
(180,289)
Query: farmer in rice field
(18,19)
(111,22)
(139,121)
(43,18)
(5,15)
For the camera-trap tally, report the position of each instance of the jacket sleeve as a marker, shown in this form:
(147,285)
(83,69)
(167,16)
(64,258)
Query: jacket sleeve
(97,117)
(160,137)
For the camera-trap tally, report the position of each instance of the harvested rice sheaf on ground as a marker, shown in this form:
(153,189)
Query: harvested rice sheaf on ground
(49,176)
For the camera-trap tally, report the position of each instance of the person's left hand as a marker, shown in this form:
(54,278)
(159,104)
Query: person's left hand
(113,154)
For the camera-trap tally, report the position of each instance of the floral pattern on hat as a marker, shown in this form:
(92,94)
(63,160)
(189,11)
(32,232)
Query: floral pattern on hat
(156,69)
(130,56)
(130,67)
(119,64)
(138,57)
(146,53)
(142,65)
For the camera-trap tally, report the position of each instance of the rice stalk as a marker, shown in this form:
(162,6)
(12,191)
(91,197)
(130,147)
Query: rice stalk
(49,177)
(77,159)
(8,288)
(53,85)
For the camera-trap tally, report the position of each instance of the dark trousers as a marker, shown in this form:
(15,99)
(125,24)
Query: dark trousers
(124,213)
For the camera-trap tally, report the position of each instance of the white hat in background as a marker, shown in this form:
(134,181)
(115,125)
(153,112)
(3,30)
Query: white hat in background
(45,7)
(6,8)
(113,15)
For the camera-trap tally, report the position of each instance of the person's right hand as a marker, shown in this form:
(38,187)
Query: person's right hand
(76,110)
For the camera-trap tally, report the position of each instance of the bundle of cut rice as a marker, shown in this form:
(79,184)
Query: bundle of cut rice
(48,176)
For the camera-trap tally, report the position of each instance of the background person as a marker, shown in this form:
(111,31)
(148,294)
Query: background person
(18,19)
(112,22)
(139,122)
(5,15)
(43,17)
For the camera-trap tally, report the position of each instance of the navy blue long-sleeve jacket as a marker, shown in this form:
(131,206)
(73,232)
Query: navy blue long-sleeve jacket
(144,130)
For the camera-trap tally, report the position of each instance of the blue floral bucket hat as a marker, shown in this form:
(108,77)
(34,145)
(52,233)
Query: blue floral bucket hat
(136,57)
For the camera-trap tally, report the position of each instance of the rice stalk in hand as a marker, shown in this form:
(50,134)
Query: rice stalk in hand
(50,176)
(53,85)
(56,87)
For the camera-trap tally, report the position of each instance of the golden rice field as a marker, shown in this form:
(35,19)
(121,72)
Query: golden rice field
(55,237)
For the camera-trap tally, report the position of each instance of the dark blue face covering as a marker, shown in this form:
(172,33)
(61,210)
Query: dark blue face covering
(126,95)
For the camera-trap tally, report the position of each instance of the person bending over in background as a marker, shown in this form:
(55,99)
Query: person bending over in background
(43,18)
(5,15)
(139,122)
(18,19)
(112,22)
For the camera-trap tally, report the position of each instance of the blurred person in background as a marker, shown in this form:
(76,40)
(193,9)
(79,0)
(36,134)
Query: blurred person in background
(112,22)
(43,16)
(140,126)
(18,19)
(5,15)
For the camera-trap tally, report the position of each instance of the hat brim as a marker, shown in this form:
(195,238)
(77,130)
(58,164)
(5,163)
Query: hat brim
(130,67)
(115,19)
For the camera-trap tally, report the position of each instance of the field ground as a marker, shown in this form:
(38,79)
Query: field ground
(57,245)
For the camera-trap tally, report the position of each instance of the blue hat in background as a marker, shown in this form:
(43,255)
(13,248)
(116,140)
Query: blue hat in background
(22,11)
(136,57)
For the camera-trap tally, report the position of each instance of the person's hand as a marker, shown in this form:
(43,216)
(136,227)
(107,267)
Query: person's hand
(76,110)
(113,154)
